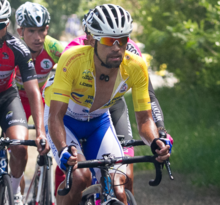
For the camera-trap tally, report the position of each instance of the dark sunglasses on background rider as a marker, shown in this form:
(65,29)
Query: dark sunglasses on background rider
(3,23)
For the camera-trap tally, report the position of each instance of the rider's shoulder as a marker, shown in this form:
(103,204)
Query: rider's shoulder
(130,57)
(53,47)
(17,45)
(133,62)
(77,52)
(79,40)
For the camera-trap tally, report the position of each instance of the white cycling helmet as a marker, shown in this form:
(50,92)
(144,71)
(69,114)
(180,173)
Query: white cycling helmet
(84,22)
(32,15)
(109,20)
(5,10)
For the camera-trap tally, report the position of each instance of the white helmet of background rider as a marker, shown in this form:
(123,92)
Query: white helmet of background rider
(109,20)
(5,10)
(32,15)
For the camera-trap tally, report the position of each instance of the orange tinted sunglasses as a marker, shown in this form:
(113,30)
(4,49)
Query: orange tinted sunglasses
(111,41)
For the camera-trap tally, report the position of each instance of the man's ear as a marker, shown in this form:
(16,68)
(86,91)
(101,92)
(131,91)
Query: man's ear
(47,28)
(19,30)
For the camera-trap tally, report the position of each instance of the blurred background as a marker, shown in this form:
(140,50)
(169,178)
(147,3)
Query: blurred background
(181,43)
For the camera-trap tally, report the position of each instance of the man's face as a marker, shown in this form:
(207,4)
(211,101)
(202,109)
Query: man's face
(34,37)
(111,55)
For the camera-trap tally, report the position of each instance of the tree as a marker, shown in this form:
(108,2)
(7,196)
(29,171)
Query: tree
(184,35)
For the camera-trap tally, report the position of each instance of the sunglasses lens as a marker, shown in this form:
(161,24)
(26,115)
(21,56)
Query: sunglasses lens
(111,41)
(124,40)
(2,25)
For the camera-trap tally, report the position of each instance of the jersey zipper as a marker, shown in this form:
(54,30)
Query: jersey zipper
(110,98)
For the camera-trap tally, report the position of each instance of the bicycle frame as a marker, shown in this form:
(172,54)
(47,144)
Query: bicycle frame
(40,168)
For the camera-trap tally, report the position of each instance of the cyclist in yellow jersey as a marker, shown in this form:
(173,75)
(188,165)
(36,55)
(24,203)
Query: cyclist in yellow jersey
(88,81)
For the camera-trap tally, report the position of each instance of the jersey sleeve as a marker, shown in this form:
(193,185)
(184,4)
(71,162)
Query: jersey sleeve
(64,77)
(157,112)
(140,93)
(24,61)
(53,47)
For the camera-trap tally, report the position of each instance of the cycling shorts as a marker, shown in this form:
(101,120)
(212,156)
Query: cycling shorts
(11,110)
(121,122)
(100,139)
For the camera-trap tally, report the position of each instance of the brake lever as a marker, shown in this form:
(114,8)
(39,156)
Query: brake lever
(162,135)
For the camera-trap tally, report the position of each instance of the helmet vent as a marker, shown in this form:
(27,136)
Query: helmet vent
(122,17)
(38,19)
(96,25)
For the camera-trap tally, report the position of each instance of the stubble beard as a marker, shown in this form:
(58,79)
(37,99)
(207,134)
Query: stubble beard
(113,64)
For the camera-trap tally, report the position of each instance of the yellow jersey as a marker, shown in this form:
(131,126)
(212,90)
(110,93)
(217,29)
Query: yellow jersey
(74,83)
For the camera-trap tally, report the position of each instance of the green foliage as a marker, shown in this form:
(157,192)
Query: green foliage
(59,11)
(192,119)
(184,35)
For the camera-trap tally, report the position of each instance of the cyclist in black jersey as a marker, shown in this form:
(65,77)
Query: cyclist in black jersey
(14,52)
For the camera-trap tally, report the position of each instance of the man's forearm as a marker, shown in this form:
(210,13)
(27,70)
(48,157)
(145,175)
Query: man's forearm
(35,100)
(146,126)
(148,131)
(57,131)
(37,111)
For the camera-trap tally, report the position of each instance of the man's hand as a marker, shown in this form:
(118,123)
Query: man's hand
(158,147)
(68,157)
(163,152)
(39,147)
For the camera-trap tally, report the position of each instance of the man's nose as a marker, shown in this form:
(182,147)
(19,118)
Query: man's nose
(37,35)
(116,46)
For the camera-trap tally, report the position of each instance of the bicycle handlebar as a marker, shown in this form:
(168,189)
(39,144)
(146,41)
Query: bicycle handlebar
(6,142)
(111,161)
(31,127)
(129,143)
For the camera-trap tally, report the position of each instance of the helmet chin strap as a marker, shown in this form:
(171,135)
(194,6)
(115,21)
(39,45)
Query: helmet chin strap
(95,50)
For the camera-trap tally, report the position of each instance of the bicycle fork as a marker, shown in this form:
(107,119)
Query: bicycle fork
(108,194)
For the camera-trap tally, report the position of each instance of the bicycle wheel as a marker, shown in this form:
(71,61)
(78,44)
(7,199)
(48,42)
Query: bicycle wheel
(46,192)
(116,203)
(32,191)
(130,197)
(6,195)
(88,194)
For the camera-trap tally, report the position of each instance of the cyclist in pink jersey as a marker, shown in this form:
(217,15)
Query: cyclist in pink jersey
(45,50)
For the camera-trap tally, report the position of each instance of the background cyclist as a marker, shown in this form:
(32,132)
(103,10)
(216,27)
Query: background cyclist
(106,58)
(119,111)
(33,24)
(12,117)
